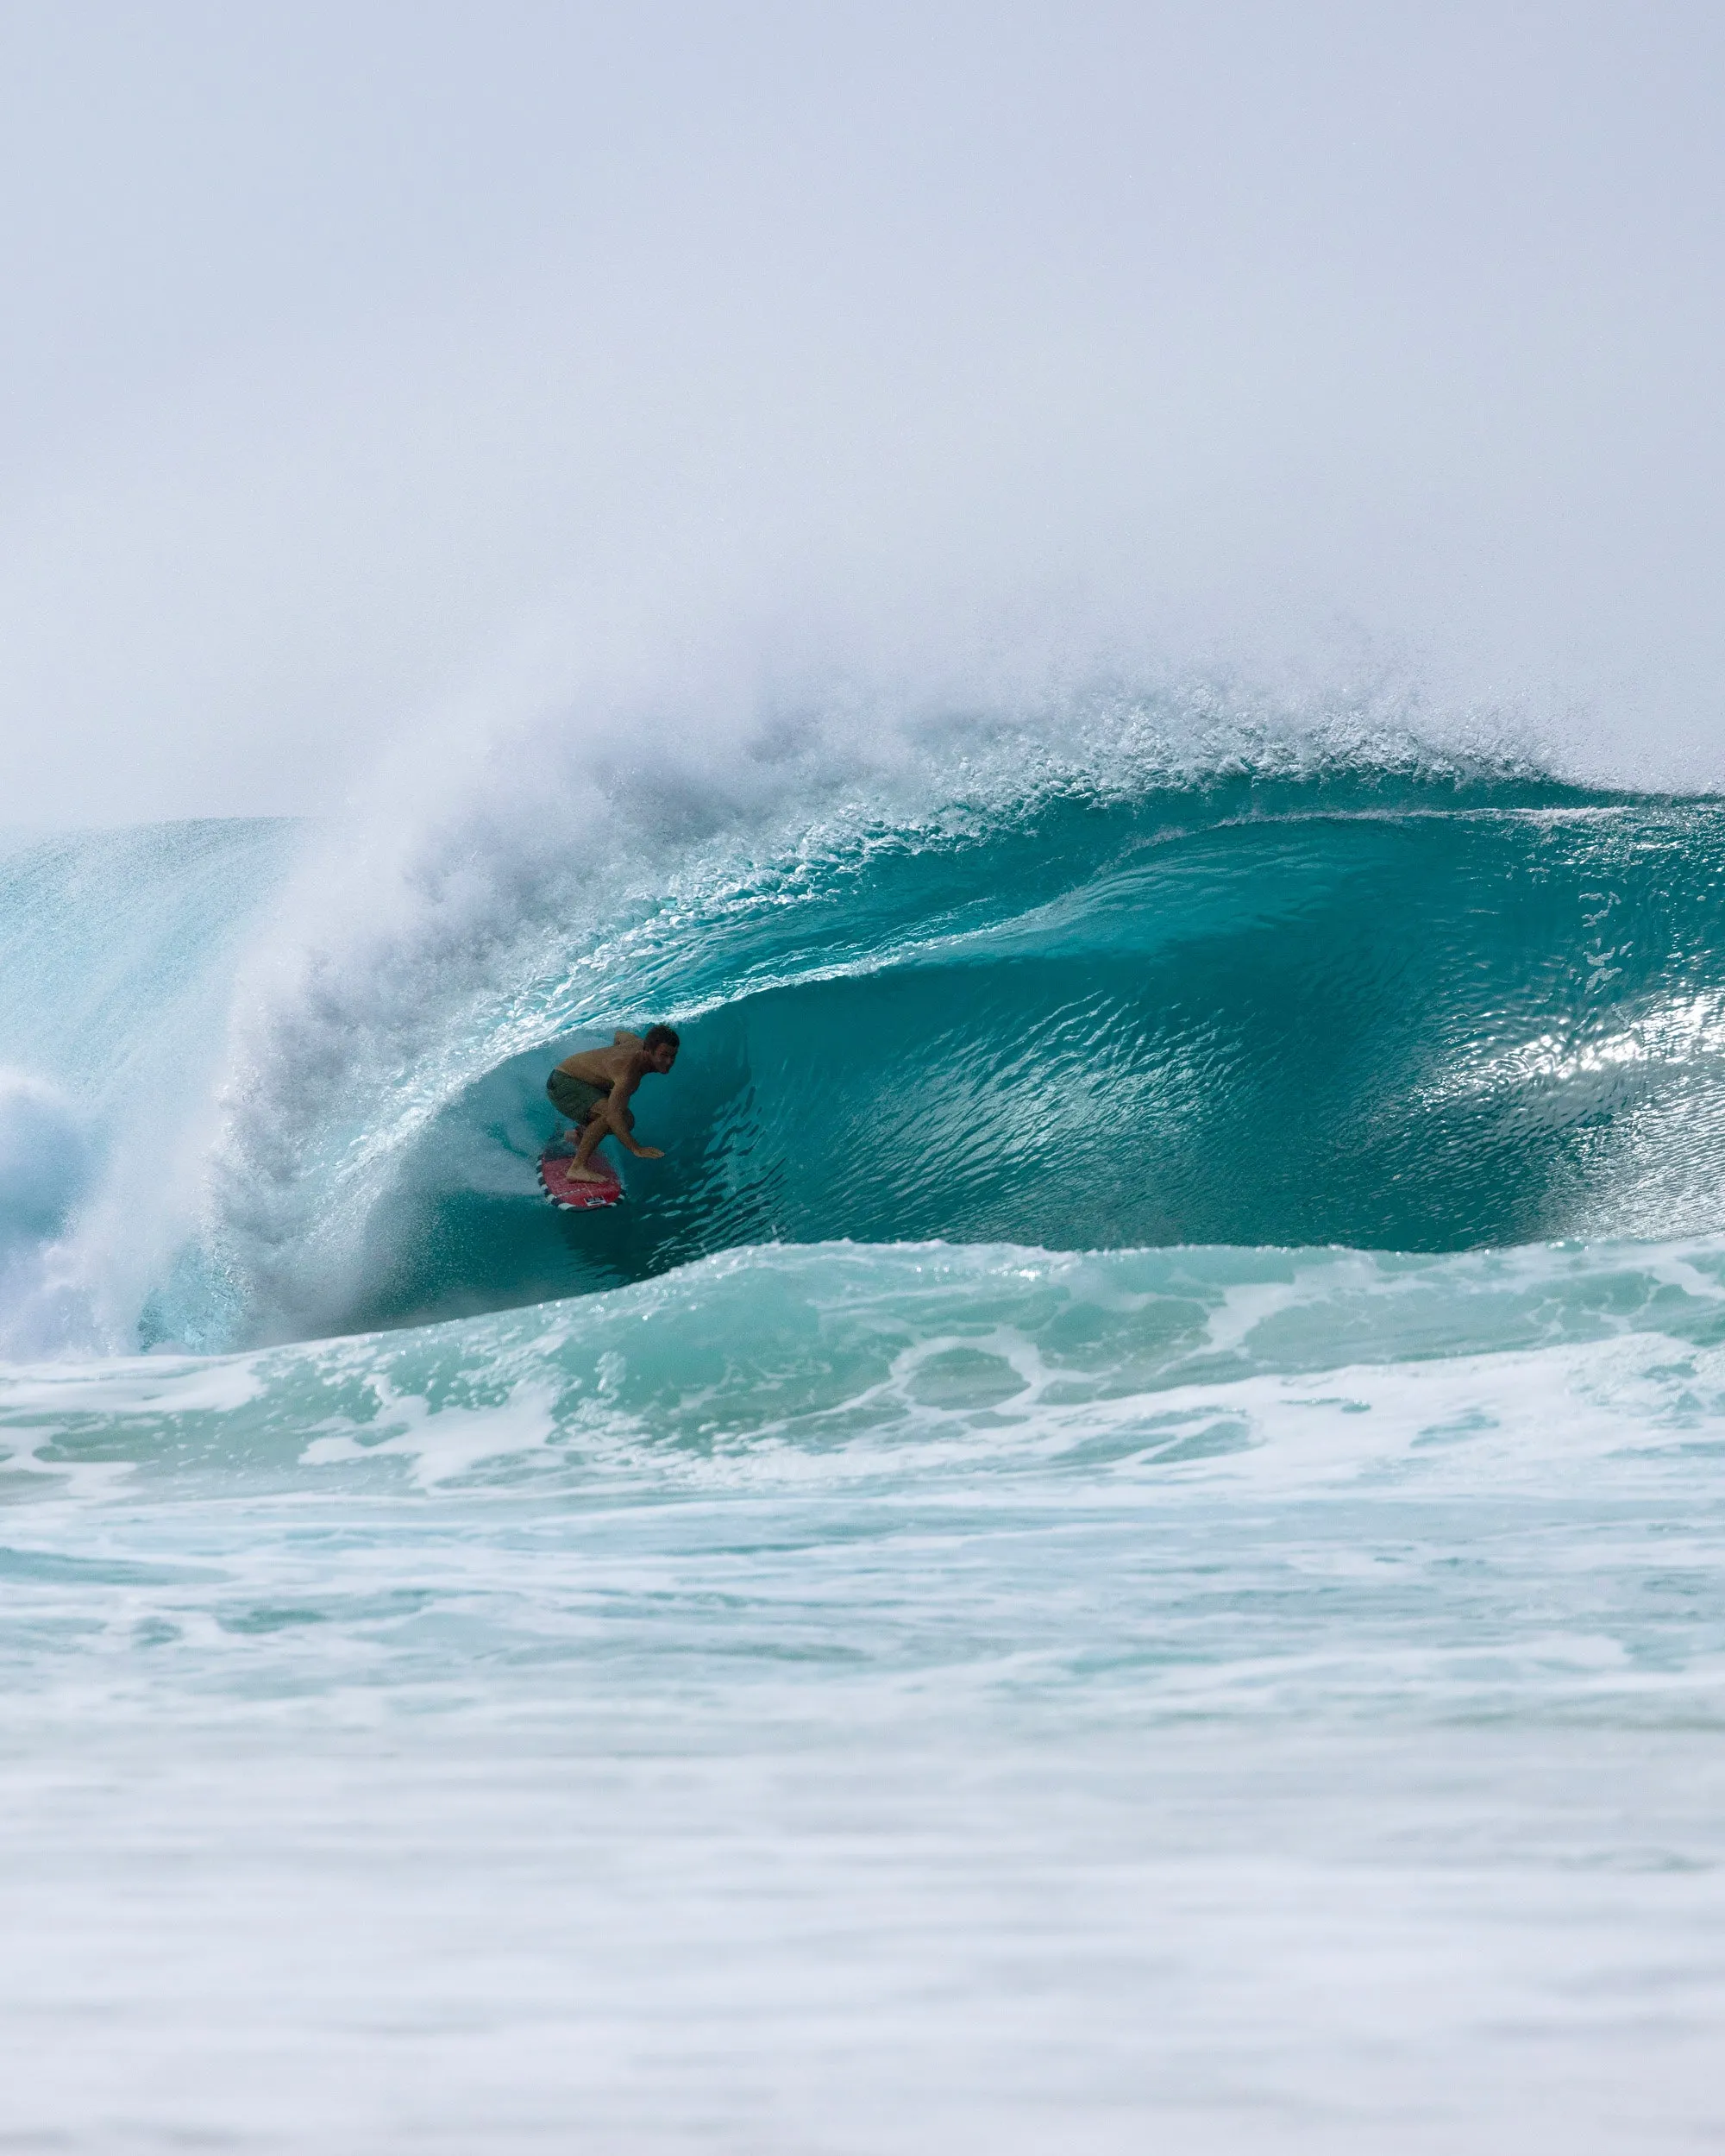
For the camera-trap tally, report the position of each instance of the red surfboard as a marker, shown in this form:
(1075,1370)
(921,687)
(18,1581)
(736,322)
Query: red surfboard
(555,1164)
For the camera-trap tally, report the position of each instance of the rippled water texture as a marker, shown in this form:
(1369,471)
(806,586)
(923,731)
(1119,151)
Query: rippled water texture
(1301,1015)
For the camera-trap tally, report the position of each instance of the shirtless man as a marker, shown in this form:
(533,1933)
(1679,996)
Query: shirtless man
(593,1090)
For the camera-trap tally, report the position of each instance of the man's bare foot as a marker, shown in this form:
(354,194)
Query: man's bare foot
(575,1173)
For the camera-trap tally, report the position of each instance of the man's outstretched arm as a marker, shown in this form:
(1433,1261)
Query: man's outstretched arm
(615,1113)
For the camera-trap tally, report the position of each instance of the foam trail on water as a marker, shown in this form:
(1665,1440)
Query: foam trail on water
(935,1683)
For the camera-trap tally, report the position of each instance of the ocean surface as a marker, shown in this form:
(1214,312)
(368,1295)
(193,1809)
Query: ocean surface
(1119,1549)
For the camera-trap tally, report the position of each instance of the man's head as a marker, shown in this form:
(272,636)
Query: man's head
(661,1044)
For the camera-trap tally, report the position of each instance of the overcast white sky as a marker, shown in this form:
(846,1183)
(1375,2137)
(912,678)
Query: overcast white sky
(348,347)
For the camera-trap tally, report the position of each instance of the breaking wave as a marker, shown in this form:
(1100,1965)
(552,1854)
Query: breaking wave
(1287,987)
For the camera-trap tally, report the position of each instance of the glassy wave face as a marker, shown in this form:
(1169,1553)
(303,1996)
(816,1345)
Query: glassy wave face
(1414,1010)
(1361,1009)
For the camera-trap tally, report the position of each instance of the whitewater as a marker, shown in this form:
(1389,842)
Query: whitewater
(1118,1548)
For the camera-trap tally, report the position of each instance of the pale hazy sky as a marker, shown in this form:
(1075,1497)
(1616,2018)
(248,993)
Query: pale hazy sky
(351,349)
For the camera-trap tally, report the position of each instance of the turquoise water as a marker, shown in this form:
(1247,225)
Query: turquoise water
(1363,1009)
(1119,1547)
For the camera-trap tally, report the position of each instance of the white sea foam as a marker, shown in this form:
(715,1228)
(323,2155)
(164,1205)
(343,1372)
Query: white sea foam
(873,1699)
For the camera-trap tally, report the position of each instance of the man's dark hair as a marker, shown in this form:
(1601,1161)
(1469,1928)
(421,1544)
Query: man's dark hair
(660,1037)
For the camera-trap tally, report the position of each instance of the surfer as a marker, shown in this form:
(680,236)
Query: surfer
(592,1089)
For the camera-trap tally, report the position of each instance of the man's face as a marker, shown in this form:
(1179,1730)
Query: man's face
(663,1056)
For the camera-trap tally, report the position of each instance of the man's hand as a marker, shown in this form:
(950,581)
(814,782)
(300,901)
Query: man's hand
(650,1152)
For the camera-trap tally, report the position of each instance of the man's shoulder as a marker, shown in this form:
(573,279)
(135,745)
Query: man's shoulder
(588,1062)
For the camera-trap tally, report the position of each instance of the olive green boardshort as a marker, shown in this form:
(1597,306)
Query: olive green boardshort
(575,1097)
